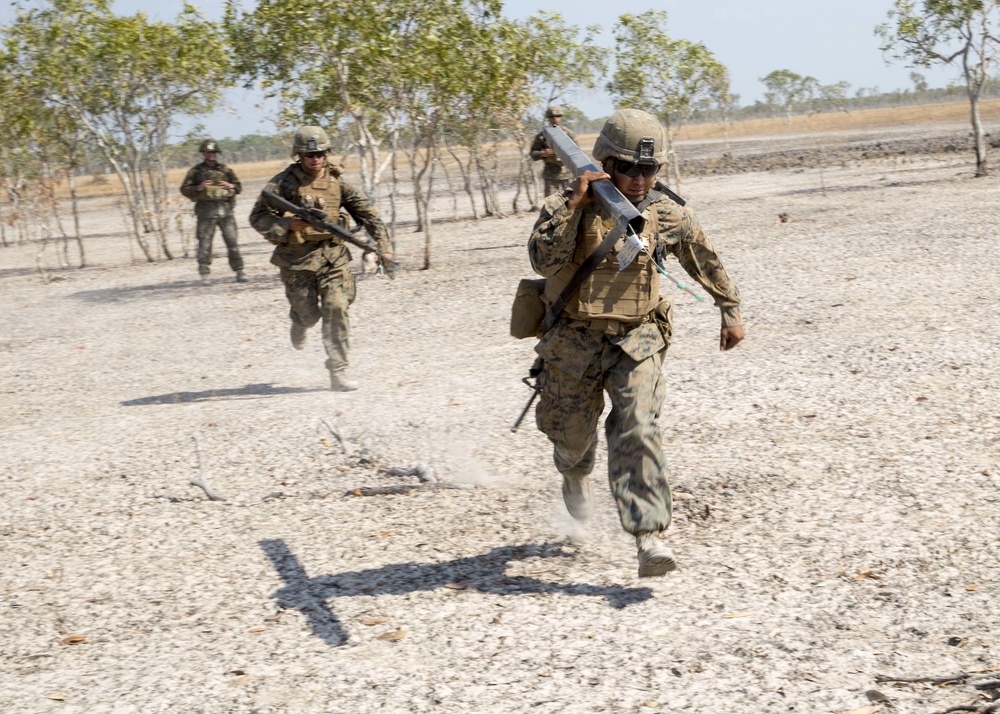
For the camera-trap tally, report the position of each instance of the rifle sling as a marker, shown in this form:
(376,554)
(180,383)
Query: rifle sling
(594,259)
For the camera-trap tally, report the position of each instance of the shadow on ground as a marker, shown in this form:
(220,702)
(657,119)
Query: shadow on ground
(250,391)
(483,573)
(172,290)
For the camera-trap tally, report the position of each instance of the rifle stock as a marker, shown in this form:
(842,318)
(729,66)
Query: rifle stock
(317,219)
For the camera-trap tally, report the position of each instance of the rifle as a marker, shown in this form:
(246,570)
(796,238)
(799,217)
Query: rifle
(536,369)
(317,219)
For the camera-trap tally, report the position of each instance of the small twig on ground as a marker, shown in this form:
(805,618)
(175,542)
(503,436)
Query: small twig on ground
(200,481)
(347,446)
(406,488)
(960,677)
(422,471)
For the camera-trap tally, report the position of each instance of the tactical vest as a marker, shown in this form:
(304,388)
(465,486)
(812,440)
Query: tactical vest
(609,294)
(214,192)
(322,192)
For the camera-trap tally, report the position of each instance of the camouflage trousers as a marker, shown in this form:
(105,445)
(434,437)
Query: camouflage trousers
(569,408)
(554,185)
(206,232)
(324,294)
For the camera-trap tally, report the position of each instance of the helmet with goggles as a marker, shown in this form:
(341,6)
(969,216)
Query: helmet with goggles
(635,139)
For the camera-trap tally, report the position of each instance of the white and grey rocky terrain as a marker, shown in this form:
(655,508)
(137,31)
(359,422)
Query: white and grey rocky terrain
(836,476)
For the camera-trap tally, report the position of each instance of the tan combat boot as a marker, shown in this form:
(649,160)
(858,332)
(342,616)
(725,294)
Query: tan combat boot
(340,382)
(655,558)
(578,495)
(298,335)
(241,277)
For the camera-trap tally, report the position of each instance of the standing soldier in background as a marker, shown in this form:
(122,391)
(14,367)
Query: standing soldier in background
(557,176)
(615,329)
(315,266)
(213,188)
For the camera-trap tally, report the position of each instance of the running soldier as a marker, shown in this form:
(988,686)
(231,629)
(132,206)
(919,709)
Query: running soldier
(315,266)
(614,331)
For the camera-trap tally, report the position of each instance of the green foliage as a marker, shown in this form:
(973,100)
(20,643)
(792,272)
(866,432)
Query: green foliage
(670,78)
(923,34)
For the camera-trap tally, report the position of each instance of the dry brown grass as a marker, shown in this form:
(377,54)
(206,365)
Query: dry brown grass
(842,121)
(107,185)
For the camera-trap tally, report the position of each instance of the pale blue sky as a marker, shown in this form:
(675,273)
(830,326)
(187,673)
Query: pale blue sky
(831,41)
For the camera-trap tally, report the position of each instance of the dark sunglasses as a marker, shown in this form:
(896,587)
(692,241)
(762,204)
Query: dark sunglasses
(314,154)
(627,168)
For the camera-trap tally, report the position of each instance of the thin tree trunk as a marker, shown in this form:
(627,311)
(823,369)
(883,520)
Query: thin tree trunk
(75,206)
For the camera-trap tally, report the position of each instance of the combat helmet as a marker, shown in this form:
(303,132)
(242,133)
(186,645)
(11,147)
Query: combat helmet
(631,135)
(554,110)
(209,145)
(310,138)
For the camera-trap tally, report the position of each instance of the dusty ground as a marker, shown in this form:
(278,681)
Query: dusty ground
(836,475)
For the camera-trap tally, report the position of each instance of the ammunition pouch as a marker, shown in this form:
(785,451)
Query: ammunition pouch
(528,310)
(216,193)
(663,316)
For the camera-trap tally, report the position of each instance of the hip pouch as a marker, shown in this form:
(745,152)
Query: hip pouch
(663,316)
(528,310)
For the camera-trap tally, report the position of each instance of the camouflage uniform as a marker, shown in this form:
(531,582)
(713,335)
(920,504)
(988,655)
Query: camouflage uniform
(315,267)
(584,356)
(214,206)
(555,175)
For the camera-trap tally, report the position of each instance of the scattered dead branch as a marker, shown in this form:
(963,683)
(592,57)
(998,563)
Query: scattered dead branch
(407,488)
(422,471)
(347,446)
(200,482)
(982,681)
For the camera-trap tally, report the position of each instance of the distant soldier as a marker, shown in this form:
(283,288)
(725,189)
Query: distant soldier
(213,188)
(315,266)
(556,176)
(615,329)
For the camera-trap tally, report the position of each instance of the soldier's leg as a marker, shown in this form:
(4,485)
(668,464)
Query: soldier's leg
(205,231)
(551,187)
(637,467)
(227,225)
(568,411)
(301,289)
(337,291)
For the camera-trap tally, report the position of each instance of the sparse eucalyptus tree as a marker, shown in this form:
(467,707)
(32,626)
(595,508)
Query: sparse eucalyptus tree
(931,32)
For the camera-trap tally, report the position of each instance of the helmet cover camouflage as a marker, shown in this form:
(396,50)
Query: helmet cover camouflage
(554,110)
(631,135)
(209,146)
(308,139)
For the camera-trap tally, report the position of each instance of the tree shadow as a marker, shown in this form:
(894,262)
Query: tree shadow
(250,391)
(483,573)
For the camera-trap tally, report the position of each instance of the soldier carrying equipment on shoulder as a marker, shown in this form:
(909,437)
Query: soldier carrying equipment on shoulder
(557,177)
(213,187)
(315,265)
(614,331)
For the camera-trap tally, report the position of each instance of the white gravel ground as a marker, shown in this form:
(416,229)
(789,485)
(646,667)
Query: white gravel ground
(837,478)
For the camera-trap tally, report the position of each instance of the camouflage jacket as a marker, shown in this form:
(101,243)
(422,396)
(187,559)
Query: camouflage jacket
(554,168)
(553,243)
(312,255)
(203,172)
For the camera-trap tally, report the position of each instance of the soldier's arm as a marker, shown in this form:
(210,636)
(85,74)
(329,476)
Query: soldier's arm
(538,146)
(680,233)
(189,187)
(268,222)
(234,180)
(553,239)
(362,210)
